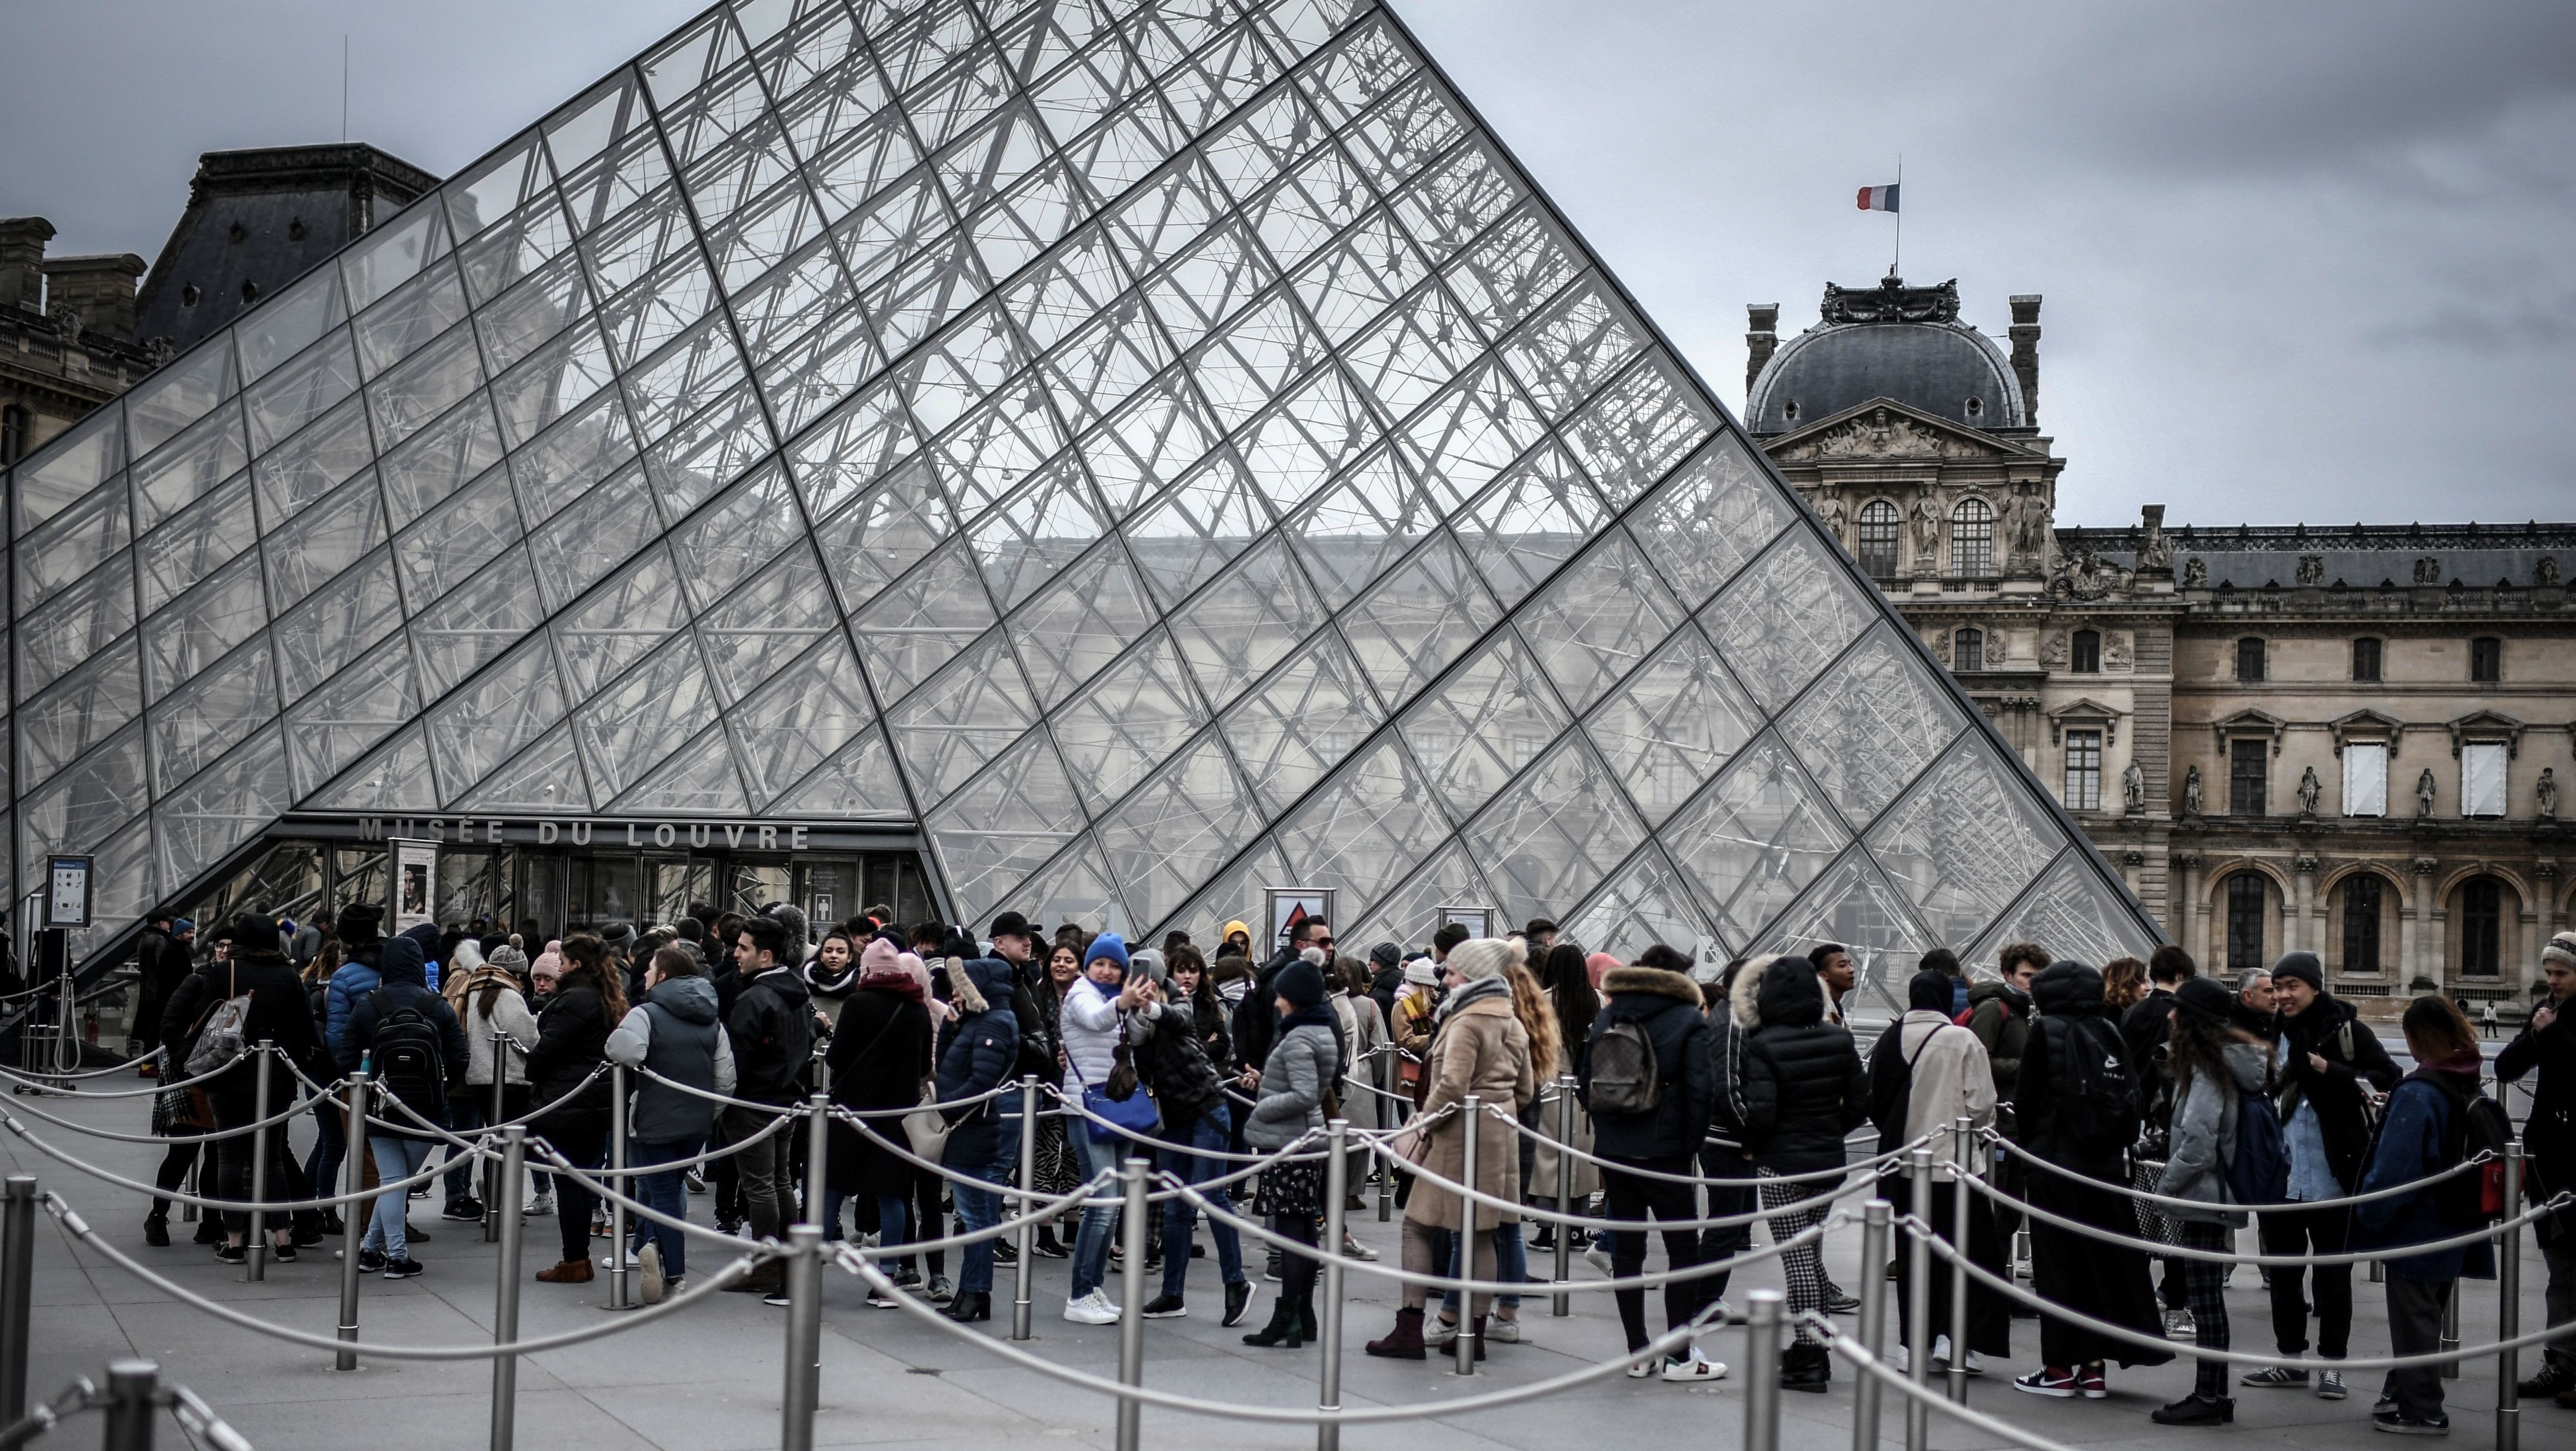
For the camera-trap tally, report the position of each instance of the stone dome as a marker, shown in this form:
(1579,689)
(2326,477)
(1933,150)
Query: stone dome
(1890,341)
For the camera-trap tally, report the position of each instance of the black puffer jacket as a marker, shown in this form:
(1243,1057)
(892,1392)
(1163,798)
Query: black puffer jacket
(772,1027)
(2332,1030)
(1804,1087)
(1666,1005)
(572,1040)
(2550,1132)
(978,1051)
(2071,1020)
(1171,1061)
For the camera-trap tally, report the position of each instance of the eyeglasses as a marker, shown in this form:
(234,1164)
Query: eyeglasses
(1326,940)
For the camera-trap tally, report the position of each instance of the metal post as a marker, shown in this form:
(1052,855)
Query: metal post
(804,1337)
(1962,1134)
(131,1386)
(507,1178)
(1337,1186)
(1386,1077)
(1875,1219)
(620,1297)
(353,1179)
(487,1171)
(1918,1298)
(2451,1329)
(255,1263)
(1028,1197)
(1762,1371)
(1562,1302)
(1131,1309)
(2509,1306)
(818,1152)
(1471,1114)
(17,1266)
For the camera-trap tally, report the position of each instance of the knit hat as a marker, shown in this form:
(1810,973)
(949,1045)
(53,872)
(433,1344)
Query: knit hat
(1421,973)
(2206,999)
(1300,983)
(1109,946)
(1149,961)
(359,922)
(181,924)
(547,961)
(509,959)
(1930,989)
(878,957)
(1232,928)
(252,933)
(2561,950)
(1598,965)
(2302,965)
(1385,955)
(1482,957)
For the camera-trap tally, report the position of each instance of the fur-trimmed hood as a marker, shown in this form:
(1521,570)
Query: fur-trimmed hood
(1653,980)
(1744,1000)
(974,982)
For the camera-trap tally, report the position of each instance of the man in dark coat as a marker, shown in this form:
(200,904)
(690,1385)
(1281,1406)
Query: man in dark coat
(772,1027)
(163,958)
(2548,1044)
(1655,1147)
(1804,1089)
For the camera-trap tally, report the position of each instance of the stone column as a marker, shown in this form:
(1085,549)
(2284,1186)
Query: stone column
(2418,943)
(2304,929)
(2190,914)
(2544,880)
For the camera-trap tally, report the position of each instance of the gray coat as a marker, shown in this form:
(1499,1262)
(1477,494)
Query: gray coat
(2204,1137)
(1293,1079)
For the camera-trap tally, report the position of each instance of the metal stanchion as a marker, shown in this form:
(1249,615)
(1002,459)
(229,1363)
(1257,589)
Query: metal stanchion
(2451,1329)
(132,1386)
(620,1297)
(1874,1228)
(17,1268)
(353,1177)
(255,1263)
(1470,1118)
(507,1177)
(1131,1309)
(1027,1233)
(1387,1076)
(1337,1183)
(818,1149)
(1562,1302)
(804,1337)
(1762,1371)
(1962,1134)
(2509,1306)
(487,1172)
(1918,1300)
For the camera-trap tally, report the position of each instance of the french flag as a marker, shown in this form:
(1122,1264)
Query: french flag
(1878,198)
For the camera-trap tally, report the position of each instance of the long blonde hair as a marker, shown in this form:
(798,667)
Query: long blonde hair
(1538,1019)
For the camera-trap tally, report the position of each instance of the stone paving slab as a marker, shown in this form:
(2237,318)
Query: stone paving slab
(710,1380)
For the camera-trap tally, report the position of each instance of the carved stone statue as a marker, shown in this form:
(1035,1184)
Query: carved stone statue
(2133,789)
(2195,573)
(2547,793)
(2544,571)
(2191,792)
(2029,526)
(2085,576)
(1927,528)
(2428,570)
(1829,509)
(2425,791)
(2155,551)
(2312,569)
(2115,652)
(2309,788)
(2052,650)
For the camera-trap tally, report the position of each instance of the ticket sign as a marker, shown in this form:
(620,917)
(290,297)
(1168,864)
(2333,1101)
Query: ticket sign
(67,891)
(412,870)
(1287,909)
(1474,919)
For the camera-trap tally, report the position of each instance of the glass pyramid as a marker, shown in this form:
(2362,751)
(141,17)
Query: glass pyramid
(1161,450)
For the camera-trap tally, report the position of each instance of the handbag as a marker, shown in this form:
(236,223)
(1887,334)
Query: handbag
(220,1039)
(1135,1113)
(926,1127)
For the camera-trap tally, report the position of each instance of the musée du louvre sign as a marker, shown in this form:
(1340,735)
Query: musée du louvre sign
(612,834)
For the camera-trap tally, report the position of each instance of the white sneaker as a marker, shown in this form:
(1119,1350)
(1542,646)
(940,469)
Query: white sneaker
(651,1260)
(1598,1258)
(1353,1249)
(1695,1366)
(1507,1332)
(1091,1309)
(609,1261)
(1439,1334)
(542,1204)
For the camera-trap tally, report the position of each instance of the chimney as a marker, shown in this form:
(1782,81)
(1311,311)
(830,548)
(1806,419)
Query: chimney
(2025,353)
(1760,343)
(100,288)
(22,261)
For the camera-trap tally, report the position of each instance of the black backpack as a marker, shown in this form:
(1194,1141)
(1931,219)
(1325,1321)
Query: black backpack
(1626,1081)
(2478,1125)
(409,1059)
(2097,1111)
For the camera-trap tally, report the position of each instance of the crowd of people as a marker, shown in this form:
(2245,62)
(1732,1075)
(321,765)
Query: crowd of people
(1707,1098)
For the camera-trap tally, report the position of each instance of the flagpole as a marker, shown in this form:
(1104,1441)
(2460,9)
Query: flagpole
(1896,268)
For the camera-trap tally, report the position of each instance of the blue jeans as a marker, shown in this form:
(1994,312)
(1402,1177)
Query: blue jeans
(1209,1134)
(1091,1242)
(330,1150)
(978,1209)
(397,1159)
(1511,1265)
(668,1191)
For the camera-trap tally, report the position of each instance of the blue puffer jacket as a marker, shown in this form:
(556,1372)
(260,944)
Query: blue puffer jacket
(350,981)
(976,1053)
(2415,1141)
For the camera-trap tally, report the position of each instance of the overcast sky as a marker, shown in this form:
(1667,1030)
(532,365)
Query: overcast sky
(2300,261)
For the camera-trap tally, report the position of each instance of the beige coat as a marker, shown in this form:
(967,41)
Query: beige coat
(1951,1080)
(1482,1050)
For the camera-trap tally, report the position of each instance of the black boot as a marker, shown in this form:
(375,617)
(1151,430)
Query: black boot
(1806,1368)
(1283,1329)
(970,1306)
(156,1230)
(1306,1316)
(2196,1410)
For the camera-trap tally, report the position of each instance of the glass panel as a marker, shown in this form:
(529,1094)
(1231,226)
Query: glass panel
(659,308)
(702,455)
(419,310)
(1210,518)
(1407,130)
(1357,529)
(492,263)
(1319,428)
(1786,618)
(77,809)
(317,544)
(1408,629)
(1488,720)
(734,537)
(289,322)
(1035,533)
(1457,198)
(1871,725)
(476,729)
(861,781)
(1639,427)
(1364,828)
(757,629)
(390,255)
(799,718)
(1415,352)
(1554,832)
(701,366)
(70,466)
(1103,365)
(1177,829)
(330,727)
(301,391)
(1303,211)
(1673,724)
(1599,619)
(1247,621)
(82,709)
(1410,913)
(1235,895)
(533,312)
(1755,839)
(438,460)
(426,386)
(2076,911)
(987,454)
(1856,907)
(1084,618)
(1574,345)
(1530,521)
(210,453)
(394,779)
(1644,903)
(631,726)
(621,623)
(803,292)
(1007,824)
(700,777)
(1462,439)
(546,777)
(1131,722)
(551,382)
(345,617)
(1713,514)
(1367,64)
(1151,441)
(1074,888)
(922,622)
(1518,266)
(1965,841)
(967,716)
(1301,722)
(79,623)
(221,809)
(178,394)
(485,616)
(578,547)
(211,715)
(73,543)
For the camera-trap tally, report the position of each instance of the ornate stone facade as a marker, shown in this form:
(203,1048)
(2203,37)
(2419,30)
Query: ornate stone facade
(2344,740)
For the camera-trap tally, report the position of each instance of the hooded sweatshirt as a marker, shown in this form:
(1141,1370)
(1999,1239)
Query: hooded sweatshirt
(404,985)
(2204,1136)
(674,1033)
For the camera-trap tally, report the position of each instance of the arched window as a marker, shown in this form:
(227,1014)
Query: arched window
(1968,650)
(2362,896)
(2481,925)
(2245,921)
(2088,653)
(1972,540)
(1877,540)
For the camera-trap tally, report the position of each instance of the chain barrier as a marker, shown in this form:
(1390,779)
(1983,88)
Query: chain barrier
(134,1391)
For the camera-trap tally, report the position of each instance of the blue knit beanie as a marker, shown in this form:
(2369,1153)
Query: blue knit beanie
(1110,946)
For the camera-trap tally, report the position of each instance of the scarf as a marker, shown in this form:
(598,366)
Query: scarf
(896,980)
(823,984)
(1476,990)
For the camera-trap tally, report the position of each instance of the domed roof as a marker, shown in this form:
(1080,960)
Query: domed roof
(1890,341)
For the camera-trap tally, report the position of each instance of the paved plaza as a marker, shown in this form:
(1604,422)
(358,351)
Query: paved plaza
(709,1379)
